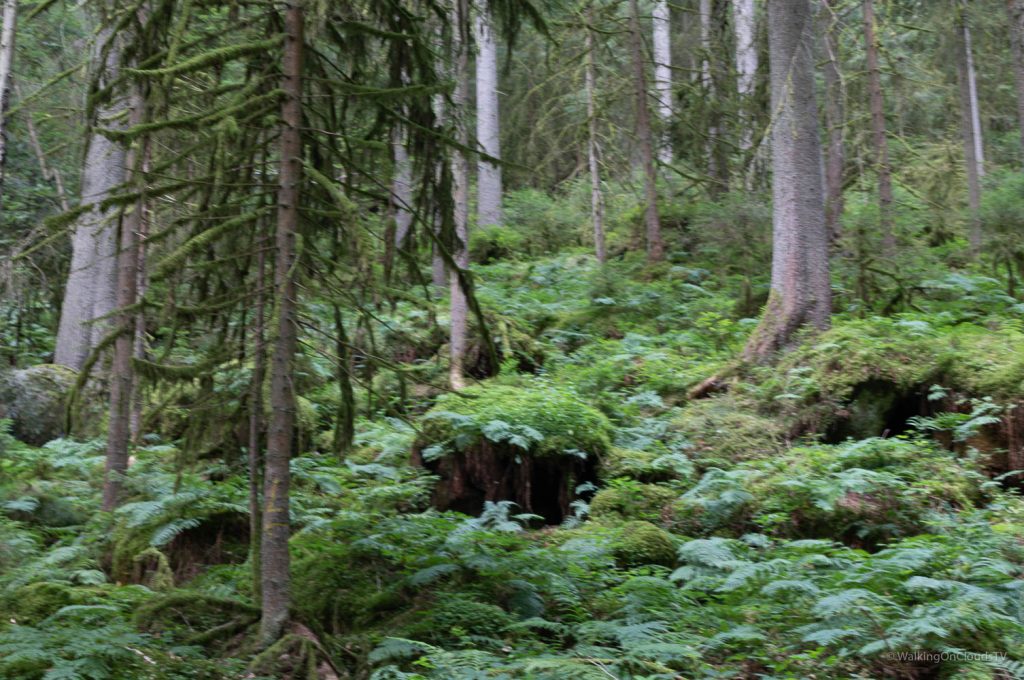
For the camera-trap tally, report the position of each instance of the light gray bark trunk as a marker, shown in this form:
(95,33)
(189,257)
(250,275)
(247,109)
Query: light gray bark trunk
(704,12)
(972,86)
(970,127)
(652,220)
(401,186)
(90,293)
(746,65)
(834,120)
(1015,13)
(800,287)
(878,129)
(7,32)
(438,268)
(593,151)
(661,22)
(460,197)
(488,130)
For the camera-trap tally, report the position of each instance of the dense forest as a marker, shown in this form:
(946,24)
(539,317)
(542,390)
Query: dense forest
(494,339)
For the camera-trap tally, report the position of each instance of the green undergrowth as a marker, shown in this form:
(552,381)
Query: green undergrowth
(773,525)
(539,417)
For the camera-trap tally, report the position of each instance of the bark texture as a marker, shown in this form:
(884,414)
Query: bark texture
(800,289)
(274,556)
(254,455)
(661,25)
(91,290)
(7,32)
(121,371)
(488,130)
(974,157)
(879,138)
(746,65)
(460,197)
(401,187)
(593,149)
(835,122)
(652,221)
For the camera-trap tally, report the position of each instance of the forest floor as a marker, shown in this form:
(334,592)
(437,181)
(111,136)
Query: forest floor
(851,511)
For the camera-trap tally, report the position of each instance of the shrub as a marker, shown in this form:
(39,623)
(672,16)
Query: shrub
(540,417)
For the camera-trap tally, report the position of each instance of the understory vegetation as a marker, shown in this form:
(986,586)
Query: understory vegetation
(511,340)
(813,518)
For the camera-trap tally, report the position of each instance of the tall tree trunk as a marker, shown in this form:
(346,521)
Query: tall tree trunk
(706,11)
(7,32)
(460,196)
(704,16)
(593,151)
(439,104)
(1015,12)
(972,88)
(878,133)
(488,130)
(834,120)
(345,416)
(276,577)
(652,221)
(91,290)
(800,288)
(974,159)
(746,66)
(661,22)
(401,186)
(255,443)
(121,371)
(139,322)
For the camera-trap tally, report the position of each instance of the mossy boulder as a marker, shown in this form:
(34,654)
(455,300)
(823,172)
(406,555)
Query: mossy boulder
(643,543)
(35,401)
(646,466)
(630,500)
(866,376)
(727,429)
(34,602)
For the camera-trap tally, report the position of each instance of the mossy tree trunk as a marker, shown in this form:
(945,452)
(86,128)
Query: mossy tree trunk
(800,288)
(275,559)
(122,376)
(255,440)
